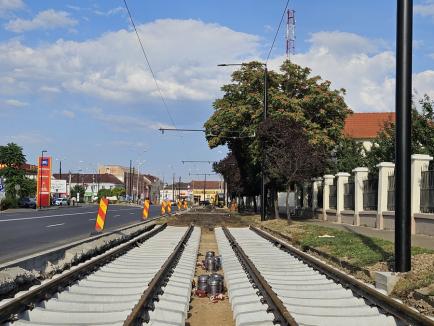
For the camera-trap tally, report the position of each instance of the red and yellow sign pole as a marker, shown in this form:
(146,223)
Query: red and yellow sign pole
(169,207)
(146,209)
(102,212)
(163,207)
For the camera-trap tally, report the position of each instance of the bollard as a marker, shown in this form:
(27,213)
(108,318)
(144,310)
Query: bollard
(102,212)
(146,209)
(185,204)
(179,205)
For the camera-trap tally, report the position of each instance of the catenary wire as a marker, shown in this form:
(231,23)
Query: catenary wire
(149,65)
(277,32)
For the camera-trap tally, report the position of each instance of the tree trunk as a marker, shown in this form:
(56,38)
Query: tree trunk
(275,202)
(288,213)
(255,205)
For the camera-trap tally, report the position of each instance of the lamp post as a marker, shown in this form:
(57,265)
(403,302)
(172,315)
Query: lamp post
(263,190)
(40,178)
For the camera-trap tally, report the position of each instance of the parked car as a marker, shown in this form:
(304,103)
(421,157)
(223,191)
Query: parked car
(27,202)
(61,202)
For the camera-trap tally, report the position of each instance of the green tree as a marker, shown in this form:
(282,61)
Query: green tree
(422,135)
(349,154)
(118,192)
(78,189)
(293,94)
(104,193)
(13,160)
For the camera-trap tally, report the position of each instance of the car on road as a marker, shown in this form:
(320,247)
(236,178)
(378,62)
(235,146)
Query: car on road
(27,202)
(61,202)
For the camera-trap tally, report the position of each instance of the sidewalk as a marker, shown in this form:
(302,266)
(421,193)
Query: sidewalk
(418,240)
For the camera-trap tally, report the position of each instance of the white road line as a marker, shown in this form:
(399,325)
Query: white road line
(117,215)
(56,215)
(53,225)
(132,213)
(91,219)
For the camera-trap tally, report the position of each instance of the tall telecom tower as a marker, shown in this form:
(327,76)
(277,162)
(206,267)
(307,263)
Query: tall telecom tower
(290,33)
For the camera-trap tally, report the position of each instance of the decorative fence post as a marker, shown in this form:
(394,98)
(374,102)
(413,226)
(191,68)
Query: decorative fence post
(328,180)
(384,170)
(342,177)
(316,182)
(419,163)
(360,174)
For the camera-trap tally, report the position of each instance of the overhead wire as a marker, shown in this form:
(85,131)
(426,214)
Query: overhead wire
(277,31)
(149,65)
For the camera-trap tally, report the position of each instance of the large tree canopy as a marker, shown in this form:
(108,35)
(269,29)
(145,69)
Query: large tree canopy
(422,135)
(293,96)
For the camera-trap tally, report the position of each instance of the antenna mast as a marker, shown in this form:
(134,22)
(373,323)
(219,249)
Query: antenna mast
(290,33)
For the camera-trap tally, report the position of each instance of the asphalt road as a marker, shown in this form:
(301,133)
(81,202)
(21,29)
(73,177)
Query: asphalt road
(24,233)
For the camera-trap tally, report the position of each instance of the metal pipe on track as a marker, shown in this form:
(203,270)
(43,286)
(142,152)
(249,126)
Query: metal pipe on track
(11,309)
(281,314)
(390,306)
(140,312)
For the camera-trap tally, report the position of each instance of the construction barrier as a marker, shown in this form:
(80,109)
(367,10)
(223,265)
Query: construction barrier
(146,209)
(169,207)
(163,207)
(102,212)
(185,204)
(179,205)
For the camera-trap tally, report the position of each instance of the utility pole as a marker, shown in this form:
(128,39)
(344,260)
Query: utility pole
(173,186)
(129,179)
(179,189)
(404,36)
(60,170)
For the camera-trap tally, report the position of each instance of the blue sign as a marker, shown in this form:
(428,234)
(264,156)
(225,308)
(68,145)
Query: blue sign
(44,162)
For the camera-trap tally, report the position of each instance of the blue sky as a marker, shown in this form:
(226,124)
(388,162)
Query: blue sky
(74,82)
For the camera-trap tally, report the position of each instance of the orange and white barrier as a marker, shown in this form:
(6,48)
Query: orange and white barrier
(146,209)
(179,205)
(185,204)
(102,212)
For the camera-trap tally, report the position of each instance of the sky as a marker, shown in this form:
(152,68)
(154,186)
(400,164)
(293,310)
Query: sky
(74,82)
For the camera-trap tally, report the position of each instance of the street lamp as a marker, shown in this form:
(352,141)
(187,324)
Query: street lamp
(40,176)
(263,192)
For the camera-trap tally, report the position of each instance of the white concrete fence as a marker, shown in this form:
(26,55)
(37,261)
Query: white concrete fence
(381,218)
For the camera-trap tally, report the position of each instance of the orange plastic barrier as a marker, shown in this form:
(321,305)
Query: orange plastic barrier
(146,209)
(179,205)
(102,212)
(169,207)
(185,204)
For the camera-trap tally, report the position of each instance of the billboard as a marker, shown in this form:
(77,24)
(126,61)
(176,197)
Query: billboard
(58,187)
(43,182)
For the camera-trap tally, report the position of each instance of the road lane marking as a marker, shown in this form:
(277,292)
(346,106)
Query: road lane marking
(117,215)
(53,225)
(56,215)
(132,213)
(91,219)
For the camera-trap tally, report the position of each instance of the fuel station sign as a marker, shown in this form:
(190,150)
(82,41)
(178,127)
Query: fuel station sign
(44,181)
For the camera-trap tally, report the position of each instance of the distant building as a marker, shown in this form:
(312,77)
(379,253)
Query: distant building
(208,190)
(117,170)
(364,127)
(177,191)
(92,183)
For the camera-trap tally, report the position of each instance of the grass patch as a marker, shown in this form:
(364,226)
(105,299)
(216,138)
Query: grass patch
(355,248)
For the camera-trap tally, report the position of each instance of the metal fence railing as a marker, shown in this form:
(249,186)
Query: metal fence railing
(332,196)
(319,196)
(349,194)
(370,193)
(427,192)
(391,193)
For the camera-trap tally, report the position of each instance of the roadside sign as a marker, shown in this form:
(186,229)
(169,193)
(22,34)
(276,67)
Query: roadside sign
(58,186)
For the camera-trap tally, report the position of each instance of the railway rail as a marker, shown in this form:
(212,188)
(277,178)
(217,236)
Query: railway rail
(146,280)
(311,292)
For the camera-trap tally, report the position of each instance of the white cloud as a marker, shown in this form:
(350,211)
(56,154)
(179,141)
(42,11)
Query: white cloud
(10,5)
(68,114)
(48,19)
(29,138)
(15,103)
(184,55)
(124,123)
(426,9)
(110,12)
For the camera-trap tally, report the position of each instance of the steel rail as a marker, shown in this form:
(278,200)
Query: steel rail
(10,310)
(388,305)
(140,312)
(281,314)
